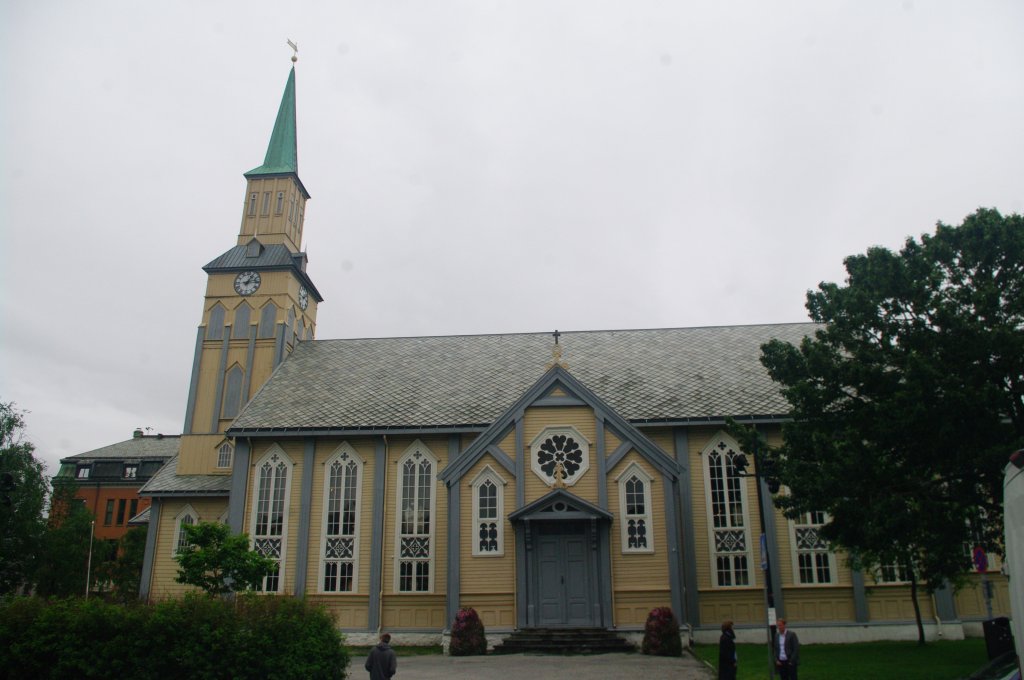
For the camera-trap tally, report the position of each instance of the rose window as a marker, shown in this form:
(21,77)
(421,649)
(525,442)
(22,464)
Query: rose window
(560,453)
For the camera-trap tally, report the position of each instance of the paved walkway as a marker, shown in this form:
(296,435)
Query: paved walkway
(543,667)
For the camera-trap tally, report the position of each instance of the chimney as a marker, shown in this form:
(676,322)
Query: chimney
(137,434)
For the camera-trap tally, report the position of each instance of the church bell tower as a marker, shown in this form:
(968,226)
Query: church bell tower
(259,302)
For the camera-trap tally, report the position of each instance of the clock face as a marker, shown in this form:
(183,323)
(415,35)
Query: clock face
(246,283)
(303,297)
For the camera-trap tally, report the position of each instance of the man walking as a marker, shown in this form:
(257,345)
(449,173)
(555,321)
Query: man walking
(382,663)
(786,650)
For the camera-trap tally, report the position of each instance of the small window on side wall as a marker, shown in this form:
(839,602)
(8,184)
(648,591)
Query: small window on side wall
(252,204)
(131,471)
(635,510)
(488,514)
(224,454)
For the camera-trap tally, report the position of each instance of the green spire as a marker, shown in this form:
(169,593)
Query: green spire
(282,153)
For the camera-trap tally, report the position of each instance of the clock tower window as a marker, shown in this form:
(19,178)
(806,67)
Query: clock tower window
(215,326)
(268,316)
(240,329)
(232,392)
(279,207)
(252,204)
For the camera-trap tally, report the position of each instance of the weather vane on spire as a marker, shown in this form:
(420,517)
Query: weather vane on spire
(295,51)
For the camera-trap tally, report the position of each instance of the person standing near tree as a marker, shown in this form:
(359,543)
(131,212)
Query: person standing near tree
(727,661)
(786,651)
(382,662)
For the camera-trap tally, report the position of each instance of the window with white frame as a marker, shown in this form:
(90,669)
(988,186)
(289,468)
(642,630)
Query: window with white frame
(892,573)
(727,513)
(635,510)
(488,489)
(813,562)
(224,454)
(187,517)
(417,472)
(270,513)
(82,472)
(339,546)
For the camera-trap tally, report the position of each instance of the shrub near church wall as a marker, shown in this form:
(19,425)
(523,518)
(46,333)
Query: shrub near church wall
(196,636)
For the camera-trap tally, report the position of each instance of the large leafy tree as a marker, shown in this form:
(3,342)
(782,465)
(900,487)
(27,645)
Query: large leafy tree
(23,487)
(124,572)
(64,549)
(908,399)
(218,561)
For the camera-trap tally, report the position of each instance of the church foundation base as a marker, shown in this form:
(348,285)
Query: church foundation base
(840,633)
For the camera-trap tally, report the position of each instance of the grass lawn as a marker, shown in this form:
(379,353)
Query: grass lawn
(943,660)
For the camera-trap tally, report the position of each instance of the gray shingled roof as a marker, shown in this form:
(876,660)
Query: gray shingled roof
(168,482)
(149,446)
(140,519)
(273,256)
(673,374)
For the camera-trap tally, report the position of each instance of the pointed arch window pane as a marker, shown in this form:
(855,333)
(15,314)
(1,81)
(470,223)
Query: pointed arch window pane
(232,392)
(215,326)
(268,316)
(240,328)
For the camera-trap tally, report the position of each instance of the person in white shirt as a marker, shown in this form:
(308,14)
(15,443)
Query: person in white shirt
(786,650)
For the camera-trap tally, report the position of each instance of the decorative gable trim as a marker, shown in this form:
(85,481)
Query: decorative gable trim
(559,505)
(557,378)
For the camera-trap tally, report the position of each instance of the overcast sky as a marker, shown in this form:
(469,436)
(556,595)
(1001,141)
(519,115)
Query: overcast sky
(475,167)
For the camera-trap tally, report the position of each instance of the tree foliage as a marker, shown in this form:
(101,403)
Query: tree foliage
(64,549)
(124,572)
(909,398)
(218,561)
(23,487)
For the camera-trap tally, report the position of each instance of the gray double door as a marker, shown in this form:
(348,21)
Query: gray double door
(564,588)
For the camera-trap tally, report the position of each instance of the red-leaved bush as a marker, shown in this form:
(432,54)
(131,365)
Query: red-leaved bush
(661,633)
(467,634)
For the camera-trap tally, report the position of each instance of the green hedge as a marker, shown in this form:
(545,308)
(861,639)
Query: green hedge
(195,637)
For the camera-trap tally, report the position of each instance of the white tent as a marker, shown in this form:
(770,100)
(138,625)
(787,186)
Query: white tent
(1013,508)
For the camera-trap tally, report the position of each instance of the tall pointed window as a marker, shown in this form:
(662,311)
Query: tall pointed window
(812,560)
(215,326)
(266,203)
(727,510)
(635,510)
(270,513)
(279,206)
(232,392)
(252,204)
(339,548)
(240,328)
(417,470)
(268,317)
(488,513)
(187,517)
(224,455)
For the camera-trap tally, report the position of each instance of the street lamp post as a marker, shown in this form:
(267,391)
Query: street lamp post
(88,564)
(740,463)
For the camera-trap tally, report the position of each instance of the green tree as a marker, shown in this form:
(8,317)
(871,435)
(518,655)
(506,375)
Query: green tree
(124,572)
(908,399)
(64,550)
(23,487)
(218,561)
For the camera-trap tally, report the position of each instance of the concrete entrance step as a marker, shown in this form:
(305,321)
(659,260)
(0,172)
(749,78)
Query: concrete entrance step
(563,641)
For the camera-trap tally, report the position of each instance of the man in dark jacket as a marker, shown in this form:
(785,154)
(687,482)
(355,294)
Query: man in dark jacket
(786,651)
(727,653)
(382,662)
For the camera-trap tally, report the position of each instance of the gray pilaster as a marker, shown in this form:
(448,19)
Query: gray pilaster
(305,503)
(223,363)
(249,354)
(520,464)
(146,580)
(860,597)
(377,539)
(602,462)
(239,484)
(945,605)
(691,608)
(772,537)
(454,588)
(521,610)
(605,578)
(675,579)
(193,384)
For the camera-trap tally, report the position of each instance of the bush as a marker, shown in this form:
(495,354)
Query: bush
(661,633)
(197,636)
(468,636)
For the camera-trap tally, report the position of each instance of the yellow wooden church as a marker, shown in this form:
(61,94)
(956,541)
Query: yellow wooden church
(547,480)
